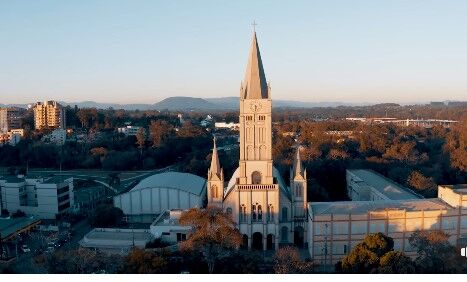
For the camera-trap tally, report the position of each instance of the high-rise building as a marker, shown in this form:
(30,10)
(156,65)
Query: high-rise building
(10,118)
(49,114)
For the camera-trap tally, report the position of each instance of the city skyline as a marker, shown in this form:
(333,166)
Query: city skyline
(119,52)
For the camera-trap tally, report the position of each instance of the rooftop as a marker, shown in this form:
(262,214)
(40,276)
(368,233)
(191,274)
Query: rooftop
(115,238)
(457,188)
(56,179)
(361,207)
(9,226)
(175,180)
(385,186)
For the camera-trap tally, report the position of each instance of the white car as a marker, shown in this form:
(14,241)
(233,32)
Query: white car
(25,249)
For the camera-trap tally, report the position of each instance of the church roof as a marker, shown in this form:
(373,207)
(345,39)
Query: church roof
(254,85)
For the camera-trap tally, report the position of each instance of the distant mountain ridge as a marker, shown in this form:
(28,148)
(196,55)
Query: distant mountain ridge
(182,103)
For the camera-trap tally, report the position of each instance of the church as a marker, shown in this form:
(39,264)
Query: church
(268,213)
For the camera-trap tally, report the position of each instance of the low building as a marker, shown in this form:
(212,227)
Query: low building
(167,228)
(86,199)
(12,137)
(334,228)
(116,241)
(11,227)
(129,130)
(58,137)
(368,185)
(160,192)
(224,125)
(45,198)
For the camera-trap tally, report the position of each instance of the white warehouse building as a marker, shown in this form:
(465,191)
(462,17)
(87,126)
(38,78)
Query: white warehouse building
(160,192)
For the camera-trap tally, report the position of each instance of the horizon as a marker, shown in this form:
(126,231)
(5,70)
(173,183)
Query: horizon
(334,52)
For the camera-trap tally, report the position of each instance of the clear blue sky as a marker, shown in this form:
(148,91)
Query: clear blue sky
(143,51)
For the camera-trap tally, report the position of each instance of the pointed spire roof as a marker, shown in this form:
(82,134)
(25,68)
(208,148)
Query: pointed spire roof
(255,85)
(215,164)
(297,164)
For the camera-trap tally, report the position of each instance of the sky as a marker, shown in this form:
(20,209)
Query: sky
(359,51)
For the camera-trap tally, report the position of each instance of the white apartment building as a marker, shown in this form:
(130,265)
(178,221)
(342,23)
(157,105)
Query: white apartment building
(42,197)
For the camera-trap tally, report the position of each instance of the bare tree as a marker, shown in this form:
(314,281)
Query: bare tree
(214,234)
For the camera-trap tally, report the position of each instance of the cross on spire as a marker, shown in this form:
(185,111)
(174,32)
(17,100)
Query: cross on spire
(254,24)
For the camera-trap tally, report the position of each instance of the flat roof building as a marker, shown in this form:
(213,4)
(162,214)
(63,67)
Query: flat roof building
(45,198)
(368,185)
(116,241)
(334,228)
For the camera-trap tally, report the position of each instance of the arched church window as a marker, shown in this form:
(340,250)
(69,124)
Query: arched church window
(229,210)
(260,213)
(242,213)
(253,212)
(298,190)
(214,191)
(270,213)
(284,214)
(256,177)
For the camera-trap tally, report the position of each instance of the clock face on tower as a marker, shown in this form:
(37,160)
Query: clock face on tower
(255,106)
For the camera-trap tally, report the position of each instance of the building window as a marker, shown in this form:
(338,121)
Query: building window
(271,212)
(284,214)
(181,237)
(262,118)
(256,177)
(242,213)
(229,210)
(345,249)
(253,212)
(214,191)
(260,213)
(249,118)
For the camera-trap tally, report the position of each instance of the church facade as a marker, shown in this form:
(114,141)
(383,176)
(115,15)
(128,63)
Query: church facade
(268,212)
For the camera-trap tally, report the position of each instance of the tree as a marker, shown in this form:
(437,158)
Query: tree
(435,253)
(82,261)
(106,216)
(287,261)
(394,262)
(145,262)
(141,139)
(421,183)
(159,131)
(365,257)
(213,234)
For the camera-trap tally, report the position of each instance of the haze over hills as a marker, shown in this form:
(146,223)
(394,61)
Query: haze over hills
(182,103)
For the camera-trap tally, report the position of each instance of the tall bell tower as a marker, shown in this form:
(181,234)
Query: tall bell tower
(255,123)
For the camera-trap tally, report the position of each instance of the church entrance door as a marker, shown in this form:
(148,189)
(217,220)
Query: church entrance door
(298,237)
(257,241)
(270,242)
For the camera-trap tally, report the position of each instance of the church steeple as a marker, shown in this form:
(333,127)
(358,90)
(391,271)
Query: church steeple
(254,85)
(215,164)
(215,179)
(297,166)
